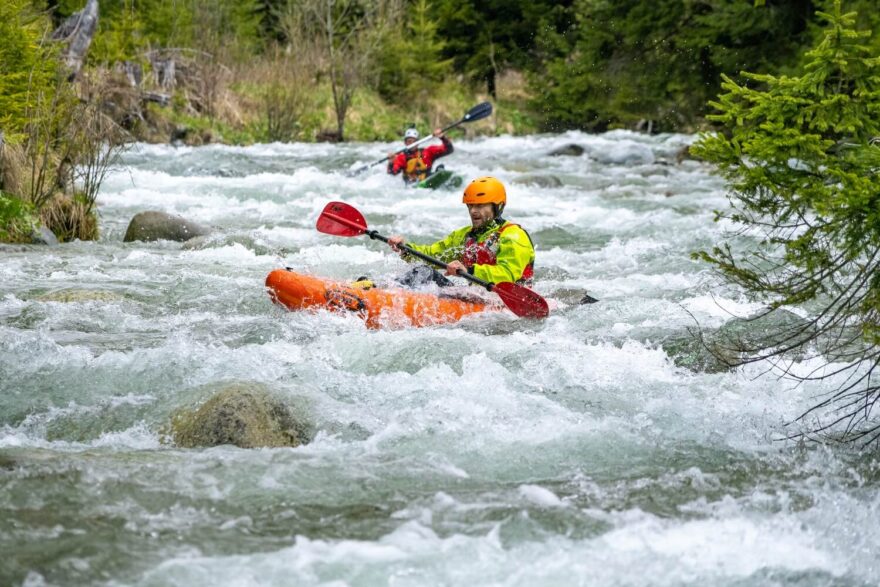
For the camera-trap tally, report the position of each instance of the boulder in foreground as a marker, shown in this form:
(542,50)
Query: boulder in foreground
(244,415)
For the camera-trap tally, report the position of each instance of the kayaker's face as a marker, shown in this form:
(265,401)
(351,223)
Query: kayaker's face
(480,214)
(408,141)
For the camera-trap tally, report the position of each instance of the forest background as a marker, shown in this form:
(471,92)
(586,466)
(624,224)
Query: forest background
(245,71)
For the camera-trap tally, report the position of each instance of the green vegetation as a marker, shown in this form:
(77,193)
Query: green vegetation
(28,72)
(17,220)
(659,62)
(242,71)
(801,158)
(56,143)
(255,70)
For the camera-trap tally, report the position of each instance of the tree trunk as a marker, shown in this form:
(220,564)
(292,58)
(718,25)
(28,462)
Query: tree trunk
(77,31)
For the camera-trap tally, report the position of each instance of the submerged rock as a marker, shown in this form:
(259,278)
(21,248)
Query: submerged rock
(722,349)
(571,150)
(244,415)
(766,329)
(153,225)
(687,350)
(623,153)
(80,295)
(542,181)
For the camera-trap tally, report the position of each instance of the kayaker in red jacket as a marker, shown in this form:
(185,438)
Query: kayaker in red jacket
(415,164)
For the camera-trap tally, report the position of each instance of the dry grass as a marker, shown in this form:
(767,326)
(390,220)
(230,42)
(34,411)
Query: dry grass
(512,85)
(13,168)
(70,218)
(283,93)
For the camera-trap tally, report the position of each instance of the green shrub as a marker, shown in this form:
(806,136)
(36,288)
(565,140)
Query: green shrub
(28,69)
(17,219)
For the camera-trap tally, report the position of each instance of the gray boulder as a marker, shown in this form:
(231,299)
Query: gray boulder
(43,236)
(689,351)
(153,226)
(571,150)
(247,416)
(720,350)
(777,328)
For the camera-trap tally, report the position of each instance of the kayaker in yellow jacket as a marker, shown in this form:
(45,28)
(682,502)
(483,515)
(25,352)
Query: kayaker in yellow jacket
(491,249)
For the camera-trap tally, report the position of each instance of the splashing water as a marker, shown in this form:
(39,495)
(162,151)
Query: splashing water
(571,451)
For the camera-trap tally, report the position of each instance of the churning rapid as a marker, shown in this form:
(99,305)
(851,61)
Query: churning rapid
(586,449)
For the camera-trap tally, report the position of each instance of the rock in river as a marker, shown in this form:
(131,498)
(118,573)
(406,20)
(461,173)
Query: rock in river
(153,225)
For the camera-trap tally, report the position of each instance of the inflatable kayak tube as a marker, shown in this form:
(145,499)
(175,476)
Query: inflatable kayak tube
(376,306)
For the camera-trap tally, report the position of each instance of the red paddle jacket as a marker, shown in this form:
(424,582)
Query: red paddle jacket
(416,164)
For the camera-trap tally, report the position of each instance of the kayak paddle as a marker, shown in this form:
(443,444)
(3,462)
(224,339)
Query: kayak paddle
(478,112)
(341,219)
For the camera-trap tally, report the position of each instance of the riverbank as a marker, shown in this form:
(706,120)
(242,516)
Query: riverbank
(250,112)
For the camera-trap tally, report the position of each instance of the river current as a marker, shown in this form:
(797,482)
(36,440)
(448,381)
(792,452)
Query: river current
(495,451)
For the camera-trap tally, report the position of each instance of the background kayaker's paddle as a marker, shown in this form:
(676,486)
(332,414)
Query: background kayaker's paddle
(478,112)
(341,219)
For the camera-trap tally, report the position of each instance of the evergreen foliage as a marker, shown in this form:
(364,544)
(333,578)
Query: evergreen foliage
(658,61)
(486,37)
(411,65)
(128,28)
(800,155)
(28,71)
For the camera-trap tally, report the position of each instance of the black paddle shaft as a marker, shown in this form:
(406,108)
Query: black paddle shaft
(478,112)
(376,236)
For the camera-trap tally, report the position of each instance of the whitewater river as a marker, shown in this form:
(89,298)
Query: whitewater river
(497,451)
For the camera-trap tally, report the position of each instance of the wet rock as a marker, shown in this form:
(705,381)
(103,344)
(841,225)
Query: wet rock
(763,330)
(720,350)
(178,135)
(541,181)
(184,135)
(570,150)
(154,225)
(690,352)
(623,153)
(43,236)
(80,295)
(245,415)
(328,136)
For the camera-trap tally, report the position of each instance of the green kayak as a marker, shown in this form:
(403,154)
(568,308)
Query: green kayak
(441,178)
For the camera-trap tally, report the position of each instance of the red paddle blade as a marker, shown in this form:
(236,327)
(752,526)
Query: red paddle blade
(522,301)
(340,219)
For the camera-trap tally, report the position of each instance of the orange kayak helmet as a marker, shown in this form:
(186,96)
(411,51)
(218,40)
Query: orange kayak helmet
(486,190)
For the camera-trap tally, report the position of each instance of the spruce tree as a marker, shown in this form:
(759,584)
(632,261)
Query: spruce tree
(801,157)
(411,63)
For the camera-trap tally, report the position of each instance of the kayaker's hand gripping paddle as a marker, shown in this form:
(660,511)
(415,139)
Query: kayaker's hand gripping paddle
(340,219)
